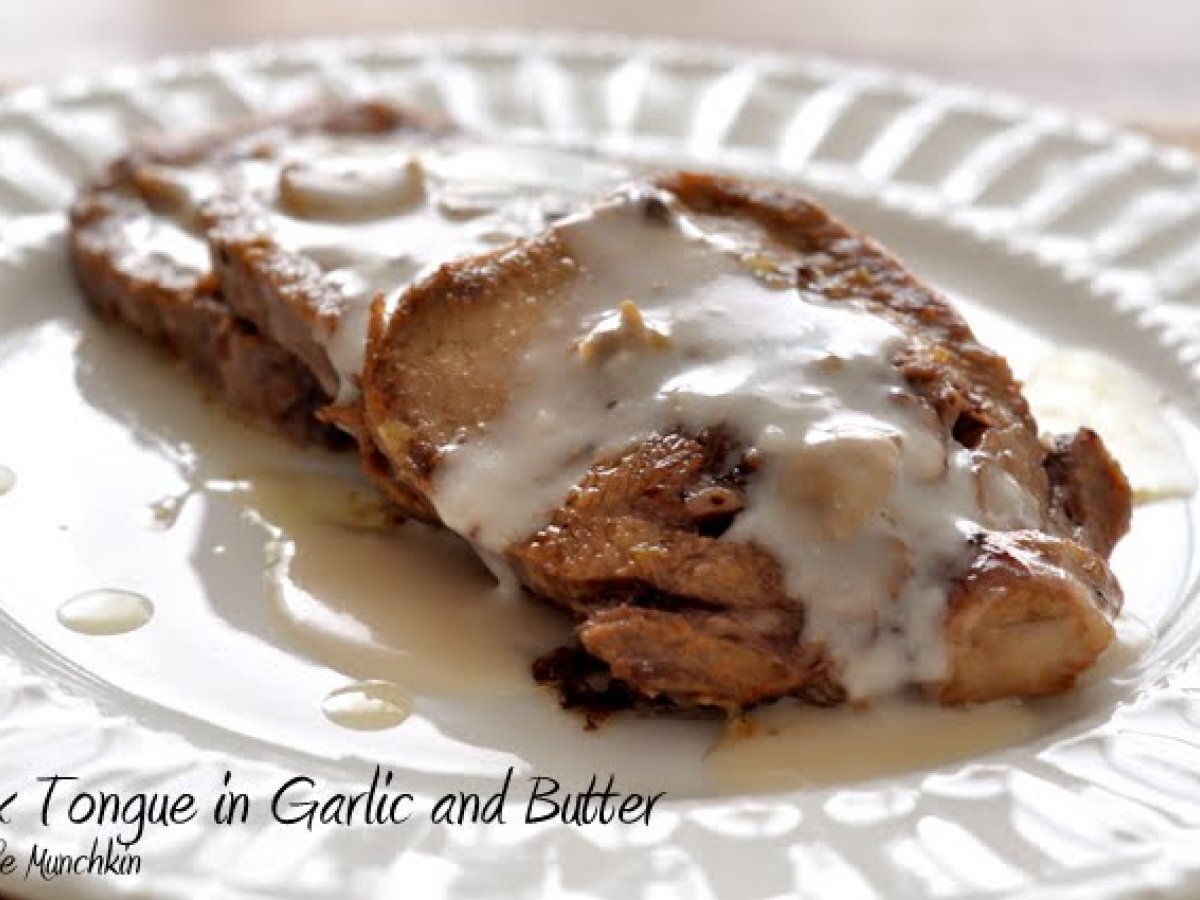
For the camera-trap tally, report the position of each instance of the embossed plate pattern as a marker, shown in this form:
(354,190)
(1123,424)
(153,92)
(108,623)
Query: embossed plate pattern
(1077,230)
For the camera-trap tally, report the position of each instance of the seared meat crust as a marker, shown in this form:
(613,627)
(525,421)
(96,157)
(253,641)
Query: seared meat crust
(673,612)
(183,312)
(240,337)
(676,612)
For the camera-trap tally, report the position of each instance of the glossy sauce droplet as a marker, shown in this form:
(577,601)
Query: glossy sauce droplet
(105,612)
(368,706)
(8,480)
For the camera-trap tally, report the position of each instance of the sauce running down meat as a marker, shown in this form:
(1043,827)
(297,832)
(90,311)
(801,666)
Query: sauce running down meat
(749,452)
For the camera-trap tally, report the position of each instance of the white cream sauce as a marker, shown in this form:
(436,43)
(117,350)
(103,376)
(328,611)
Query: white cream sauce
(159,239)
(376,212)
(864,503)
(211,654)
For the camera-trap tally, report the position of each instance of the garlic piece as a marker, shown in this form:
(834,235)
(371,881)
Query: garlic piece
(627,329)
(347,191)
(842,477)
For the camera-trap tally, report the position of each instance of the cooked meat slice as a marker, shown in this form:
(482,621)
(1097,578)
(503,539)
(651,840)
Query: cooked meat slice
(306,255)
(698,658)
(255,251)
(448,359)
(851,498)
(407,502)
(1089,489)
(1030,614)
(283,286)
(712,561)
(177,306)
(141,258)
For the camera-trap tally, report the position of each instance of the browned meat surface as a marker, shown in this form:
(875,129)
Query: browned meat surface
(634,550)
(665,606)
(181,310)
(127,230)
(282,291)
(1089,489)
(1030,613)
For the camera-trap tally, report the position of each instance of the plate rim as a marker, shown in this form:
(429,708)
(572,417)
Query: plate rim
(38,99)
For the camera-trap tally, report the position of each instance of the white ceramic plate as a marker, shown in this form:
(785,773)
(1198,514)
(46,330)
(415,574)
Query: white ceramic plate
(1050,230)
